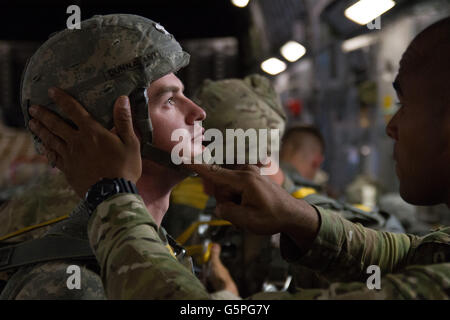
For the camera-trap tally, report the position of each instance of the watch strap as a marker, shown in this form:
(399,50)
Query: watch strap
(121,185)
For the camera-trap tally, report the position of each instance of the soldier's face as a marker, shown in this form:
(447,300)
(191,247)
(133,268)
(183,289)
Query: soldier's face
(422,137)
(169,110)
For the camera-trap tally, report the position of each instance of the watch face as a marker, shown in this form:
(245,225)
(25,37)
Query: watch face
(106,189)
(102,190)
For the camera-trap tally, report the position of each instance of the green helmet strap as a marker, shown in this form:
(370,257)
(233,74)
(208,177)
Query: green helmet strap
(162,157)
(141,118)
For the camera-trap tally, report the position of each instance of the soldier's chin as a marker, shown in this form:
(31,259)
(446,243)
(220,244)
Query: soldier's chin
(197,152)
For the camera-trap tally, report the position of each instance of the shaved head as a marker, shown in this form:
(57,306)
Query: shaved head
(421,127)
(428,56)
(303,147)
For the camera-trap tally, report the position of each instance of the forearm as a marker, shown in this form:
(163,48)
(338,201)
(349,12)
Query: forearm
(343,250)
(134,262)
(416,282)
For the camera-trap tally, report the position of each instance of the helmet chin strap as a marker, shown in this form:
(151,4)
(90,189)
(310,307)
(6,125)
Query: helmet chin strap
(141,119)
(162,157)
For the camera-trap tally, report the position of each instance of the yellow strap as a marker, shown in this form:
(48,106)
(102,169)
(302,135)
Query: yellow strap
(190,192)
(303,192)
(362,207)
(36,226)
(171,251)
(199,252)
(189,231)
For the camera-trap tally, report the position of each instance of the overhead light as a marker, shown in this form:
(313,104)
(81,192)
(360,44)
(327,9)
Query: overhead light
(273,66)
(357,43)
(292,51)
(240,3)
(364,11)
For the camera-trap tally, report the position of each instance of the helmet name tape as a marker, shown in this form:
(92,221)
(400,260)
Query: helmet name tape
(136,63)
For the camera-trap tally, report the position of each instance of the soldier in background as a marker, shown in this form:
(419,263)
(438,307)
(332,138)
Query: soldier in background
(249,104)
(302,154)
(253,260)
(20,164)
(33,195)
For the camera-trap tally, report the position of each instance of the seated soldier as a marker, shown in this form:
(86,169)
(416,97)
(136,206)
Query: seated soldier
(302,153)
(139,58)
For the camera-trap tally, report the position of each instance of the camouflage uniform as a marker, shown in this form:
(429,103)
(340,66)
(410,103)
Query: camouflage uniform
(47,198)
(41,203)
(134,260)
(48,280)
(109,56)
(297,179)
(19,162)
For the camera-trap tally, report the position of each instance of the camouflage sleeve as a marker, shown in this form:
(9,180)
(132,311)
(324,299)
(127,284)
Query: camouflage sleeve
(342,250)
(415,282)
(134,262)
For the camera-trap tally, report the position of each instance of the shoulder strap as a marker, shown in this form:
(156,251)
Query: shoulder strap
(347,211)
(43,250)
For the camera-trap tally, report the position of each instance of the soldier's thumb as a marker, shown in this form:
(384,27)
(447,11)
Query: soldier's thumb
(123,120)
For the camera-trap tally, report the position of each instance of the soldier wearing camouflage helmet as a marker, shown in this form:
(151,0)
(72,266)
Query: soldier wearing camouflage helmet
(109,57)
(252,103)
(249,103)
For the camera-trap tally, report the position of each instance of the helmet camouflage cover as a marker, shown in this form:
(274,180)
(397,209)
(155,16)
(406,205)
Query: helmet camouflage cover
(250,103)
(107,57)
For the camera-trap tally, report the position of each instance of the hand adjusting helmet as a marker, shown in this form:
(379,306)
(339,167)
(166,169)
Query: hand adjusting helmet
(109,56)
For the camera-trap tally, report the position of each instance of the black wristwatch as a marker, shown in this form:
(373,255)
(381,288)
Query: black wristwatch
(105,189)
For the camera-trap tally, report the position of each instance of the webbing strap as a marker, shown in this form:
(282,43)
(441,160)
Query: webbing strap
(163,157)
(43,250)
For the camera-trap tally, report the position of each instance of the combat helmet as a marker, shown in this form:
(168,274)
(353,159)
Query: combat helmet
(109,56)
(249,103)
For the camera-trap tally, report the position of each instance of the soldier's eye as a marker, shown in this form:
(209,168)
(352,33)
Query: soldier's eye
(171,101)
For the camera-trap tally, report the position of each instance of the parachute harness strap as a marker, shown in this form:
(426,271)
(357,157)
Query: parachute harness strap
(30,228)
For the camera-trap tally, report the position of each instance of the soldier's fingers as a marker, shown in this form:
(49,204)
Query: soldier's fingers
(218,175)
(71,107)
(123,121)
(54,159)
(236,214)
(49,140)
(53,122)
